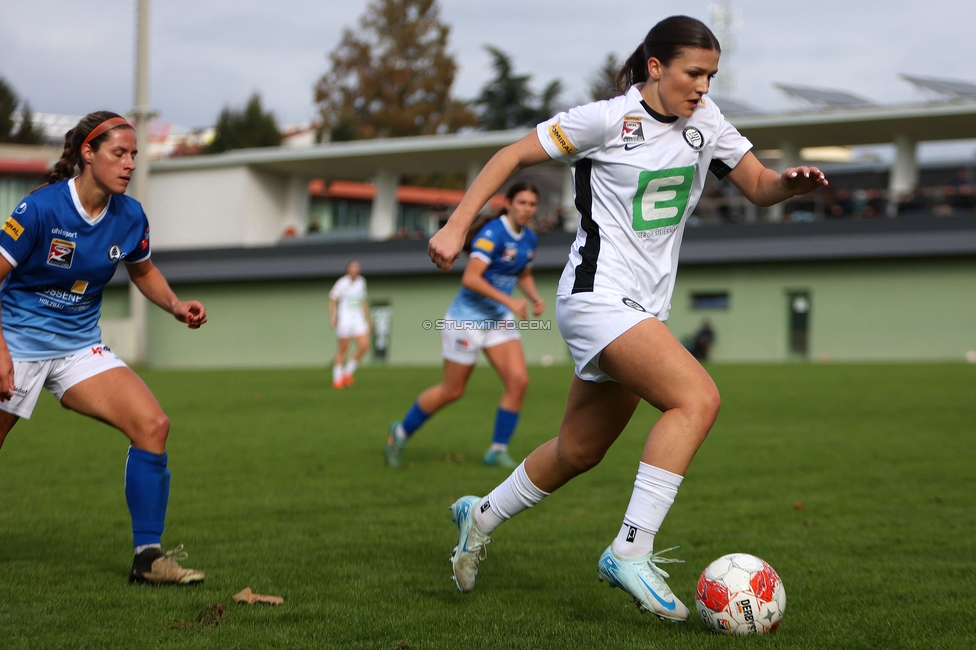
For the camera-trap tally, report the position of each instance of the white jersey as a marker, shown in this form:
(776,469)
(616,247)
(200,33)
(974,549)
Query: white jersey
(637,178)
(349,295)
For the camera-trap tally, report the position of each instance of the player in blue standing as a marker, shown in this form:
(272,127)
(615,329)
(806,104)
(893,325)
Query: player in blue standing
(58,250)
(482,317)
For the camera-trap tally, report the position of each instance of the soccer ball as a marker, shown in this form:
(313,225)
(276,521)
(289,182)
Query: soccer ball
(740,594)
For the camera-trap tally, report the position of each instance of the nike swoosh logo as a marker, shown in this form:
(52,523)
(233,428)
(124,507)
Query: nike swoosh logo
(665,604)
(629,147)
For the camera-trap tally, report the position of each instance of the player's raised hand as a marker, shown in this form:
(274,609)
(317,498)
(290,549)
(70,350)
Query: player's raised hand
(801,180)
(445,246)
(191,312)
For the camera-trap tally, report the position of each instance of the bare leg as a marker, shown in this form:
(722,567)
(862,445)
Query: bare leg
(450,389)
(362,346)
(341,349)
(7,422)
(120,398)
(647,363)
(508,360)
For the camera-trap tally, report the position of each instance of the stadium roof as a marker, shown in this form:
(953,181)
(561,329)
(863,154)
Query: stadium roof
(907,238)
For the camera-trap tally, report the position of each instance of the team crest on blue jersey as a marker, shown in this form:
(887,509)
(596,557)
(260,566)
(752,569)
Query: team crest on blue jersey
(694,138)
(632,130)
(509,254)
(115,252)
(61,253)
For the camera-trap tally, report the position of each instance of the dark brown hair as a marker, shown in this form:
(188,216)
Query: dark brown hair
(74,138)
(664,42)
(481,220)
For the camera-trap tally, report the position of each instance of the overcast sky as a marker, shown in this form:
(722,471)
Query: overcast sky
(75,57)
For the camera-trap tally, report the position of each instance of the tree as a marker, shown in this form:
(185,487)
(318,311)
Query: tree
(26,133)
(251,127)
(507,101)
(393,77)
(603,83)
(14,127)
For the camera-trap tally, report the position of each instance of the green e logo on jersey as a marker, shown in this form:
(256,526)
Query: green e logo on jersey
(662,197)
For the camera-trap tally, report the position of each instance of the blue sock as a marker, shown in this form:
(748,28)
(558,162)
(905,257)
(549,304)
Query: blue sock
(147,493)
(413,419)
(505,422)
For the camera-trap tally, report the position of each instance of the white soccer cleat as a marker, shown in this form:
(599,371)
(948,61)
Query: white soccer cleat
(470,549)
(644,581)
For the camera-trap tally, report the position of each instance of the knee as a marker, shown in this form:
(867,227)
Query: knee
(518,383)
(578,460)
(154,430)
(452,393)
(707,406)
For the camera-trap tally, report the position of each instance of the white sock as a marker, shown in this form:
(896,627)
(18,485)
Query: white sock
(140,549)
(498,446)
(654,492)
(351,366)
(336,372)
(515,494)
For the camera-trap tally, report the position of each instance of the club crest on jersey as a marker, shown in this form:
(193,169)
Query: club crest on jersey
(115,252)
(633,304)
(694,138)
(61,253)
(632,130)
(509,254)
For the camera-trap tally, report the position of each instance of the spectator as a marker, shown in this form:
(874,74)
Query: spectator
(701,343)
(964,200)
(842,205)
(911,202)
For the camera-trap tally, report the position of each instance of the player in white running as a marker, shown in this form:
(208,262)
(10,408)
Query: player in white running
(482,318)
(349,315)
(58,250)
(639,163)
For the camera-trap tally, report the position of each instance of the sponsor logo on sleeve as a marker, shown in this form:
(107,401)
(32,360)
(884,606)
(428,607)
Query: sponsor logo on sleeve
(559,137)
(12,227)
(694,138)
(80,286)
(61,253)
(485,244)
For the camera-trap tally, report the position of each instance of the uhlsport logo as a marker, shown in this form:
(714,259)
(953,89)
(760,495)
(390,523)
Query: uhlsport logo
(694,138)
(21,209)
(61,253)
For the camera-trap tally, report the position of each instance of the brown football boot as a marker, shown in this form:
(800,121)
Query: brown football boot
(152,566)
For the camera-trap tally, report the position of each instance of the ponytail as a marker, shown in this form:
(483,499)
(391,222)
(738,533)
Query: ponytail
(74,139)
(664,42)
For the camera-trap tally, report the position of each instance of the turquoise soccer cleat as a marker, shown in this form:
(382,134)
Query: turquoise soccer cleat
(470,549)
(644,581)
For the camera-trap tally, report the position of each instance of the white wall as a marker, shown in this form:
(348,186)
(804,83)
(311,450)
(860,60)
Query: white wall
(215,208)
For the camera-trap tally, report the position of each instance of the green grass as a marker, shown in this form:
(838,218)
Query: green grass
(278,484)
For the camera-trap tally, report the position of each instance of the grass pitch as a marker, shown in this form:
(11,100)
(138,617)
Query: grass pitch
(855,482)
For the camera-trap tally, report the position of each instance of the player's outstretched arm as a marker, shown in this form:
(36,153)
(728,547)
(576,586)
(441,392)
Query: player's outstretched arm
(765,187)
(153,286)
(445,246)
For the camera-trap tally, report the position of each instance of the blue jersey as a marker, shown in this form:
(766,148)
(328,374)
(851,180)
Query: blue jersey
(507,255)
(62,261)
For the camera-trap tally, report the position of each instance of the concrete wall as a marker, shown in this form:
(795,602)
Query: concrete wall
(860,311)
(215,208)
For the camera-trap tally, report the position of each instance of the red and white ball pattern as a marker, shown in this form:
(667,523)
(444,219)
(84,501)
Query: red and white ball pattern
(740,594)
